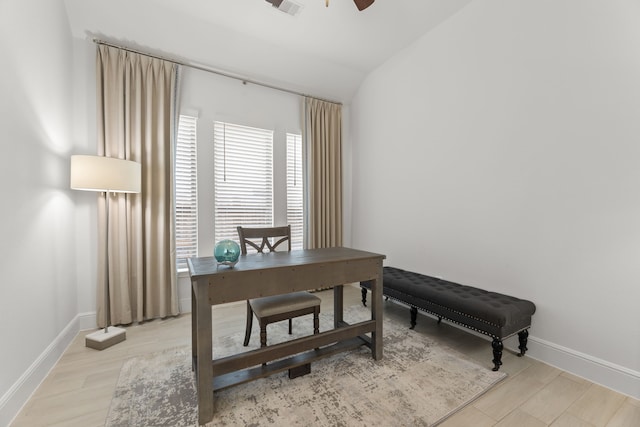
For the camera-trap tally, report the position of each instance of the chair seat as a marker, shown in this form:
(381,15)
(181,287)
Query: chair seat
(269,306)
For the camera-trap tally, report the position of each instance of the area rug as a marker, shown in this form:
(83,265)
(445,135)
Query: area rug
(417,383)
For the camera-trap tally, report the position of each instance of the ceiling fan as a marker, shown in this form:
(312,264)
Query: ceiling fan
(360,4)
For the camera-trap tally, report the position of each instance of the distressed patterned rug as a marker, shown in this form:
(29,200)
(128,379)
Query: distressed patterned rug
(417,383)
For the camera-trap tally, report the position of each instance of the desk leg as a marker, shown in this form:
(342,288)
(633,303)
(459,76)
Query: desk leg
(376,314)
(338,305)
(194,325)
(204,352)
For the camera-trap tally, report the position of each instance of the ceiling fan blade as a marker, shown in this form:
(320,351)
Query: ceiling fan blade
(275,3)
(363,4)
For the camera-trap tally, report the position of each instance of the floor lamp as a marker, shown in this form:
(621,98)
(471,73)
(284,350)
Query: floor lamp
(107,175)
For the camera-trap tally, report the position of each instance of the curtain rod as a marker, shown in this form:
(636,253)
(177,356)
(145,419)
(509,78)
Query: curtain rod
(211,70)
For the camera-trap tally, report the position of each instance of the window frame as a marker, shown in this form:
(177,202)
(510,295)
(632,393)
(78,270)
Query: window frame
(295,189)
(186,190)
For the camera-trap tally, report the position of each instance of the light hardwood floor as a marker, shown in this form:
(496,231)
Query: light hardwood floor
(78,391)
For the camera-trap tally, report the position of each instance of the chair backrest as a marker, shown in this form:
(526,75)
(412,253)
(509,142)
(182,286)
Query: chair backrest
(258,238)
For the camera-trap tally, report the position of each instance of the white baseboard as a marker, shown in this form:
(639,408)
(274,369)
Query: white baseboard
(19,393)
(607,374)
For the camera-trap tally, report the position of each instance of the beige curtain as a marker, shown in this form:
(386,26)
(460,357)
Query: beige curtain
(323,144)
(136,97)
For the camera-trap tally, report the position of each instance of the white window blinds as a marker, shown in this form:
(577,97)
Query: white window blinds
(186,215)
(294,189)
(243,174)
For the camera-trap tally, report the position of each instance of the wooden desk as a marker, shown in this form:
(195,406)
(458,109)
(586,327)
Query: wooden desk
(259,275)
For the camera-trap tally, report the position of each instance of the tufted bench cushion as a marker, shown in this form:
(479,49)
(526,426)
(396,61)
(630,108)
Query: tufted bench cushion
(490,313)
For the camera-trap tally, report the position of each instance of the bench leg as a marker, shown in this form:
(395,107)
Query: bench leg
(497,353)
(522,337)
(414,315)
(364,296)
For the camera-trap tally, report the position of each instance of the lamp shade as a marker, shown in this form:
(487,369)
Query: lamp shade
(98,173)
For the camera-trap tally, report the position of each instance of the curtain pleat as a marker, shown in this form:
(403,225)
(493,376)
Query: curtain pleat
(136,119)
(323,146)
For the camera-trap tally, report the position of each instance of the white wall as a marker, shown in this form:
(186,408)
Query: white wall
(38,293)
(85,134)
(502,150)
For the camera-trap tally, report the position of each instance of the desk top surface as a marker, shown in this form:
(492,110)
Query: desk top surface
(206,266)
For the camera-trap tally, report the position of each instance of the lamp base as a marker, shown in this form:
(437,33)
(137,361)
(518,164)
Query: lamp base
(100,340)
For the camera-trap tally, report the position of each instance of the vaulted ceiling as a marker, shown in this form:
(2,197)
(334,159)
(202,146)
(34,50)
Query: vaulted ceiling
(321,51)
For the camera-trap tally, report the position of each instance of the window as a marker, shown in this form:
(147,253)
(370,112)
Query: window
(294,189)
(186,203)
(243,174)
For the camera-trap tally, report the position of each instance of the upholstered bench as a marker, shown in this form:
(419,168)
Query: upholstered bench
(496,315)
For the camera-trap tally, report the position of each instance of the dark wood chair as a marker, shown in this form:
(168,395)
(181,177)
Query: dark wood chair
(278,307)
